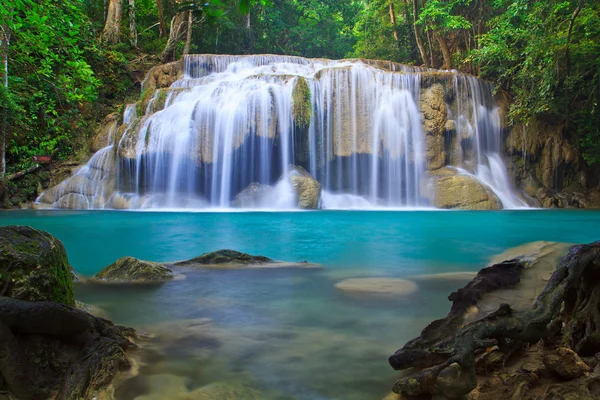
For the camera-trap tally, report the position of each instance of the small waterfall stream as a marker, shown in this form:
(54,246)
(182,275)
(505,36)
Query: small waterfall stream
(357,126)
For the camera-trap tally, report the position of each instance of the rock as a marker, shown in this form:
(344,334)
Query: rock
(129,269)
(225,391)
(253,196)
(565,364)
(105,132)
(49,349)
(301,103)
(34,266)
(91,309)
(451,190)
(226,257)
(231,259)
(306,187)
(434,113)
(568,392)
(378,286)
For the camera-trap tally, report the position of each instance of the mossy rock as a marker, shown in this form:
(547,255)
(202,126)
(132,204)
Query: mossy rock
(226,257)
(34,266)
(301,103)
(130,269)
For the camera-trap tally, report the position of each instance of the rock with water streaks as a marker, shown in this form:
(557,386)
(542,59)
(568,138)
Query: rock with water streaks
(451,190)
(307,188)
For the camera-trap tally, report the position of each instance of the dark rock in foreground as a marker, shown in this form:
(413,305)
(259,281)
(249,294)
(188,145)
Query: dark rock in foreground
(452,355)
(129,269)
(49,349)
(34,266)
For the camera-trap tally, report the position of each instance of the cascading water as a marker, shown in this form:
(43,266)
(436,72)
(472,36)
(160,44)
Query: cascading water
(231,122)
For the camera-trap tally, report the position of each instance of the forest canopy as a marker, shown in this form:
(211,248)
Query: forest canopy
(66,63)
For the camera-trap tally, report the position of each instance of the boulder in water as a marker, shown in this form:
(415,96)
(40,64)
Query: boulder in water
(48,348)
(307,188)
(254,196)
(378,286)
(130,269)
(224,259)
(454,191)
(34,266)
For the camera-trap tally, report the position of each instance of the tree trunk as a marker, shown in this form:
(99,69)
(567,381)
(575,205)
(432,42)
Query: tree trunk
(188,38)
(445,51)
(162,28)
(133,36)
(417,34)
(112,27)
(394,26)
(5,42)
(177,34)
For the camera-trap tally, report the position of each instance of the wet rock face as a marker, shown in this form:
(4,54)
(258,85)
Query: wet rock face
(548,166)
(34,266)
(307,188)
(434,113)
(129,269)
(451,190)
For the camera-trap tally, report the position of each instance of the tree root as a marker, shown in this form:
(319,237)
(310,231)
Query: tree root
(567,312)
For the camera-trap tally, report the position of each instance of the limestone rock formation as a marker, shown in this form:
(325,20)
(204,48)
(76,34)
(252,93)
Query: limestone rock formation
(34,266)
(307,188)
(548,167)
(130,269)
(452,190)
(433,110)
(105,132)
(48,348)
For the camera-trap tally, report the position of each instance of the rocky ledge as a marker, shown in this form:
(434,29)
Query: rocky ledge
(502,340)
(49,349)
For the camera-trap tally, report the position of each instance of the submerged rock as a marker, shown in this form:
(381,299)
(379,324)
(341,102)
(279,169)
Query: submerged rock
(451,190)
(235,259)
(129,269)
(34,266)
(378,286)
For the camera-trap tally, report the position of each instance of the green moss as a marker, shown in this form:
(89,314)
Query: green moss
(37,265)
(301,104)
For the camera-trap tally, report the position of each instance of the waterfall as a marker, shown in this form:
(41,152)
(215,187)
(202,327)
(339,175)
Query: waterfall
(230,122)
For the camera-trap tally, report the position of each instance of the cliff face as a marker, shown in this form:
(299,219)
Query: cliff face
(547,165)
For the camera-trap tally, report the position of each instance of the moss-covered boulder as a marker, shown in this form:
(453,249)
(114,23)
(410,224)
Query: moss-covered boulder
(301,103)
(226,256)
(130,269)
(34,266)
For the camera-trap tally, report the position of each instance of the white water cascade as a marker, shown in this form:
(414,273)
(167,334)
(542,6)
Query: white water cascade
(227,122)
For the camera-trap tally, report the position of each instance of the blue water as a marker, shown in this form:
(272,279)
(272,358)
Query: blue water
(288,333)
(395,242)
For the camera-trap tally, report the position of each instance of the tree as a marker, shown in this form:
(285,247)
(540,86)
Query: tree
(133,36)
(112,27)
